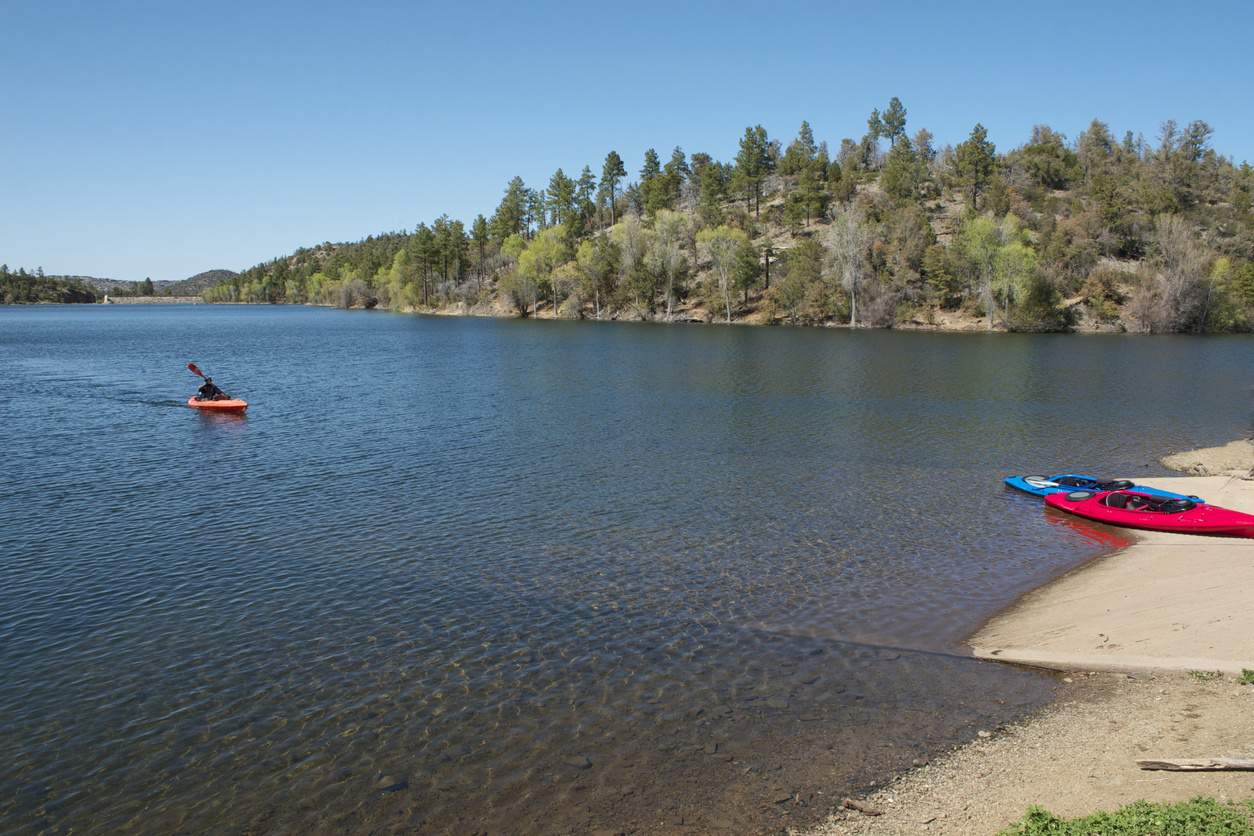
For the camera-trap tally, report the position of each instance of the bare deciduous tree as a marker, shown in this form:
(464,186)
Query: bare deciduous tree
(1175,295)
(667,251)
(846,242)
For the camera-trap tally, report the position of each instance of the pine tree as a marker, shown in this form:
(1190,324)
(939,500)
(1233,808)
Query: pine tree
(901,172)
(800,152)
(479,234)
(585,194)
(510,213)
(894,121)
(611,173)
(753,163)
(561,197)
(974,161)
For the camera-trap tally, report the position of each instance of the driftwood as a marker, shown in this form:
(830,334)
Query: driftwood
(1200,764)
(864,809)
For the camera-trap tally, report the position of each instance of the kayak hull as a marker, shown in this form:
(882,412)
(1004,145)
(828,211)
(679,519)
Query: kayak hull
(218,406)
(1043,486)
(1210,520)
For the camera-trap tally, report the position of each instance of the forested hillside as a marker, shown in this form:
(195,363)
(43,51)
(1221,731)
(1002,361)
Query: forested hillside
(23,288)
(195,285)
(1099,232)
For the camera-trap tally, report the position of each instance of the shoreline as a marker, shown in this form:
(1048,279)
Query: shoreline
(1151,644)
(952,323)
(1165,602)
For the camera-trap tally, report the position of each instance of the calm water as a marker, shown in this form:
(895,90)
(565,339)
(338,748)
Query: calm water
(451,574)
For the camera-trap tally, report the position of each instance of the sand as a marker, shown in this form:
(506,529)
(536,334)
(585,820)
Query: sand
(1077,757)
(1233,459)
(1152,636)
(1167,602)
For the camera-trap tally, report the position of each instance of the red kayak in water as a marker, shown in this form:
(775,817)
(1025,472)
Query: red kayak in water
(232,405)
(1154,513)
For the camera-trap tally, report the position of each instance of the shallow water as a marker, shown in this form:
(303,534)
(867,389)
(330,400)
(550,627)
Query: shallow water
(456,574)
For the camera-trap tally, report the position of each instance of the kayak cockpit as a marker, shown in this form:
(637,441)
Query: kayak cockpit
(1125,501)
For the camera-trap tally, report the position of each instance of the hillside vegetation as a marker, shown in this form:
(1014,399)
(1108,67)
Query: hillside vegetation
(23,288)
(1099,232)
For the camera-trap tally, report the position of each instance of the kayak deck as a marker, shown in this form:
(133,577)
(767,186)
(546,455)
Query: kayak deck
(233,405)
(1135,509)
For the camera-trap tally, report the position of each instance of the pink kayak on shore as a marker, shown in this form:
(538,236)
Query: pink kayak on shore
(1154,513)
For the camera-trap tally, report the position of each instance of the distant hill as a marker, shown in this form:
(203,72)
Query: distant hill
(195,285)
(191,286)
(105,285)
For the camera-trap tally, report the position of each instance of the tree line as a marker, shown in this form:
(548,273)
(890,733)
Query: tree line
(1101,231)
(19,287)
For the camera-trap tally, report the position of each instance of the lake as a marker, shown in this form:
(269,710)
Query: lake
(459,574)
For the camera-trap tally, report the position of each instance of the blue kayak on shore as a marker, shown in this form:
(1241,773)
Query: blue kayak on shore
(1066,482)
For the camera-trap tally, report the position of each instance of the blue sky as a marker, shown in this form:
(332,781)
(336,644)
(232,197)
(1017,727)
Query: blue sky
(162,139)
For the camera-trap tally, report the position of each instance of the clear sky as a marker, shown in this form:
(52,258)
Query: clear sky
(162,139)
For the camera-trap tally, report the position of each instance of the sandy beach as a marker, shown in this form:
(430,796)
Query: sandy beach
(1169,602)
(1151,638)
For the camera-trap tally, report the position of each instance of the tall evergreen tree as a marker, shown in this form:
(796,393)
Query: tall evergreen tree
(753,163)
(479,234)
(800,152)
(510,214)
(585,194)
(894,121)
(974,161)
(611,173)
(561,197)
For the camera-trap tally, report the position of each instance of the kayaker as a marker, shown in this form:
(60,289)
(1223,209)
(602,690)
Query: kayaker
(211,392)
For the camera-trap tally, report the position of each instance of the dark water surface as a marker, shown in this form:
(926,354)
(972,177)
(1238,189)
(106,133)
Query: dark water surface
(454,574)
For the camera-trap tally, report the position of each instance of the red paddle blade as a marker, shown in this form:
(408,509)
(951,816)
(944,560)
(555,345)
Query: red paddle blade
(191,367)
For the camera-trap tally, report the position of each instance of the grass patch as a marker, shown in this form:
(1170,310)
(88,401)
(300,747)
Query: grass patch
(1200,817)
(1246,677)
(1205,676)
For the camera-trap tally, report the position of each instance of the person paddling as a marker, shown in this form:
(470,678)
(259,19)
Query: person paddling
(210,392)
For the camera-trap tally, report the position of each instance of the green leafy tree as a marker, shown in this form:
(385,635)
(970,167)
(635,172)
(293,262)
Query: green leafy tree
(668,250)
(722,246)
(979,241)
(536,265)
(635,281)
(598,260)
(1014,271)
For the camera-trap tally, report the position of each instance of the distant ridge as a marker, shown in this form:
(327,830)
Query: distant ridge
(194,285)
(191,286)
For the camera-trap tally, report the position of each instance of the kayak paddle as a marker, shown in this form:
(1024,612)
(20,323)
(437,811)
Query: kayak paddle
(191,367)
